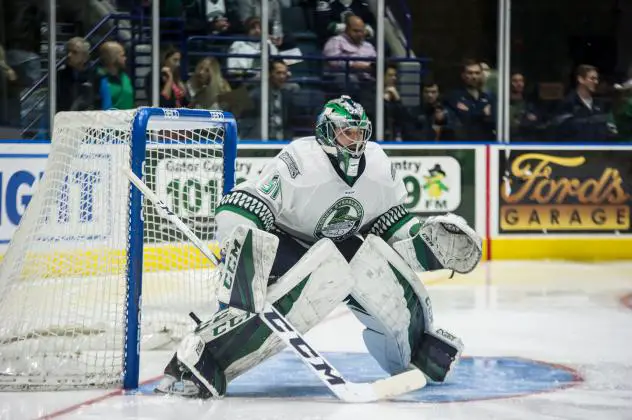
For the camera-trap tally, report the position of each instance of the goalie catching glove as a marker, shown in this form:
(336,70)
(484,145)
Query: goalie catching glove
(454,245)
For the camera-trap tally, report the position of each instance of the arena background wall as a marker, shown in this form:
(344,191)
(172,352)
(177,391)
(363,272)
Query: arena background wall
(535,201)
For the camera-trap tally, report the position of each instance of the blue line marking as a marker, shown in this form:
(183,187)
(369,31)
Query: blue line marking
(477,378)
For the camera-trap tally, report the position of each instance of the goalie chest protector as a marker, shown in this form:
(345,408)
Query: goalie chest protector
(310,200)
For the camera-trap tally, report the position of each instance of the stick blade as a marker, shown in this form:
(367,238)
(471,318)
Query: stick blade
(382,389)
(402,383)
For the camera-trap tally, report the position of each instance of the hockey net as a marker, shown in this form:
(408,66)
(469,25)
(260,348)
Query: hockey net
(64,281)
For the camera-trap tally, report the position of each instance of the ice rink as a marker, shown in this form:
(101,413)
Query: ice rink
(544,340)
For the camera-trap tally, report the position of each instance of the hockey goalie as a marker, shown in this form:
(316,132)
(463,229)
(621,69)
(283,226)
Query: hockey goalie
(325,224)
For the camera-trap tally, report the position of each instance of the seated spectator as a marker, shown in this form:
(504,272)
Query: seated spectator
(280,106)
(523,117)
(173,92)
(434,122)
(113,88)
(207,84)
(351,44)
(212,17)
(74,80)
(358,74)
(581,117)
(250,8)
(248,67)
(331,16)
(395,114)
(473,108)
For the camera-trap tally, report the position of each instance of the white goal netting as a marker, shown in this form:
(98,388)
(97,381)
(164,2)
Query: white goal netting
(64,279)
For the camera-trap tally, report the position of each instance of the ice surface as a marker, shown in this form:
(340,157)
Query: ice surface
(543,340)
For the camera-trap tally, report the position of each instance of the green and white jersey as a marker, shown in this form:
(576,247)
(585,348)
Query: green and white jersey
(301,193)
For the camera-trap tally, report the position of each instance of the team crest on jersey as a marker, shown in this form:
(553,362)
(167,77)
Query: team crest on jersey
(341,220)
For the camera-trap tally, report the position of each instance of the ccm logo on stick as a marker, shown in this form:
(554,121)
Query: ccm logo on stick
(304,349)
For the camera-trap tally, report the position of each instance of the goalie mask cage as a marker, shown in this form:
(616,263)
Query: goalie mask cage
(88,247)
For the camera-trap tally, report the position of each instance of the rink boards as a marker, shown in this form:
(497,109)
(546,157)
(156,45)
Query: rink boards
(527,201)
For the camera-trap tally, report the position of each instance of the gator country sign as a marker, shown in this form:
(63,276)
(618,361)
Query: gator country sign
(565,191)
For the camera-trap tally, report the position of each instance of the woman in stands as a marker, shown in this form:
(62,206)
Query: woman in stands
(173,91)
(207,84)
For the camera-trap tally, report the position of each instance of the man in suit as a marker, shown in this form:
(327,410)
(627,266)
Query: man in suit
(280,106)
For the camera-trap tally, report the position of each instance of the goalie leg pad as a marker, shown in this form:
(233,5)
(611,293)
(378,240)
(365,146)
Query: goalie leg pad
(305,295)
(205,371)
(391,301)
(244,273)
(234,341)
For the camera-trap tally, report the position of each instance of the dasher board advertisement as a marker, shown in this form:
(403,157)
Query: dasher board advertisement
(564,191)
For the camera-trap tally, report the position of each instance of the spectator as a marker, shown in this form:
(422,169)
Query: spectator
(173,92)
(623,110)
(207,84)
(523,117)
(222,17)
(212,17)
(248,67)
(7,72)
(23,21)
(351,44)
(331,16)
(490,80)
(250,8)
(581,117)
(434,122)
(280,108)
(74,80)
(473,108)
(358,74)
(395,115)
(9,93)
(113,87)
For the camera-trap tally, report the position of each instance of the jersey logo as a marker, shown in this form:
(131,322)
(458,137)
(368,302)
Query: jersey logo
(291,164)
(341,220)
(272,187)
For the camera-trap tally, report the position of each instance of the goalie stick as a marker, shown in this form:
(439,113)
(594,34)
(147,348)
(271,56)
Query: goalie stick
(344,389)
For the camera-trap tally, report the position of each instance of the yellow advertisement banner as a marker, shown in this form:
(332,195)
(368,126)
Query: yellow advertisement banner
(569,191)
(564,217)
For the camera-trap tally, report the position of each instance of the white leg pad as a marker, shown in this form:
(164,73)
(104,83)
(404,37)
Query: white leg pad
(328,282)
(379,271)
(244,273)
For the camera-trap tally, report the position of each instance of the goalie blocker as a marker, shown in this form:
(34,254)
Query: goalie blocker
(379,286)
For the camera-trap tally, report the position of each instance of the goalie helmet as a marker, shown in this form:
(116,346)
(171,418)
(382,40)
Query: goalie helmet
(342,129)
